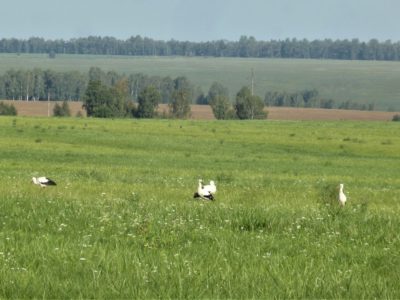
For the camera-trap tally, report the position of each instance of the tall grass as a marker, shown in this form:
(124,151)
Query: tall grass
(122,221)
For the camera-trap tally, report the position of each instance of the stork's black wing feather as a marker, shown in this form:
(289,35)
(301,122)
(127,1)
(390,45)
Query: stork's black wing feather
(209,197)
(50,182)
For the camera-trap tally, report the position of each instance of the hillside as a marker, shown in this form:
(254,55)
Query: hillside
(361,82)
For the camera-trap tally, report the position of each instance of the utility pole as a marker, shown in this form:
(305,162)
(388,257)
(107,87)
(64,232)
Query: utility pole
(27,86)
(48,104)
(252,81)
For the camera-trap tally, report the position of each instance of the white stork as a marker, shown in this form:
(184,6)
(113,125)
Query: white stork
(43,181)
(342,197)
(205,192)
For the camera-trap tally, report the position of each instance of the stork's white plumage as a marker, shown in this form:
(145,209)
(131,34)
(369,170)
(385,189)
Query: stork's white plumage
(342,197)
(43,181)
(211,187)
(203,192)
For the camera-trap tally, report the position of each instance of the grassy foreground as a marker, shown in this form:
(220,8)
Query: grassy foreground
(121,223)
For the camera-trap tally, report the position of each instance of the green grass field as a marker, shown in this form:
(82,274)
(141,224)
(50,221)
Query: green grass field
(359,81)
(122,223)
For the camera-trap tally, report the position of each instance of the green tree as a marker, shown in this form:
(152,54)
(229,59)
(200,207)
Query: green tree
(7,110)
(148,101)
(50,83)
(11,84)
(248,106)
(221,107)
(183,84)
(62,110)
(119,98)
(38,85)
(136,85)
(181,98)
(97,100)
(166,89)
(215,90)
(93,95)
(112,77)
(199,96)
(180,105)
(309,97)
(96,74)
(104,102)
(218,98)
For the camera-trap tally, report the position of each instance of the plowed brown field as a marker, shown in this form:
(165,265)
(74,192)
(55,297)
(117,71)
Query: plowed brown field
(204,112)
(43,108)
(292,113)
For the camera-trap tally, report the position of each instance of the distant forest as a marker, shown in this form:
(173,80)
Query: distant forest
(244,47)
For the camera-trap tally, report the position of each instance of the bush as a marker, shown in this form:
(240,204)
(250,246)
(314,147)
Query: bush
(7,110)
(396,118)
(62,110)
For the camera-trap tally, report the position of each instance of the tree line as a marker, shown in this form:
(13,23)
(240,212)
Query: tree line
(109,94)
(39,84)
(105,101)
(310,98)
(353,49)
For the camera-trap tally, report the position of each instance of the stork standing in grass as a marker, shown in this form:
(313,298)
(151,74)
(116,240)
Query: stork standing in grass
(205,192)
(43,181)
(342,197)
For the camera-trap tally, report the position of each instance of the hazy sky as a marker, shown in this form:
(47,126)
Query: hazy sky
(202,20)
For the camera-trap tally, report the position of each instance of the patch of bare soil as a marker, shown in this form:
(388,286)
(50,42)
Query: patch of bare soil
(204,112)
(294,113)
(43,108)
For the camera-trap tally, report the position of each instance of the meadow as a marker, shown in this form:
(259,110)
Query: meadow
(363,82)
(122,223)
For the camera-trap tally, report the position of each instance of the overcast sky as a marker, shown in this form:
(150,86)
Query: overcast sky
(202,20)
